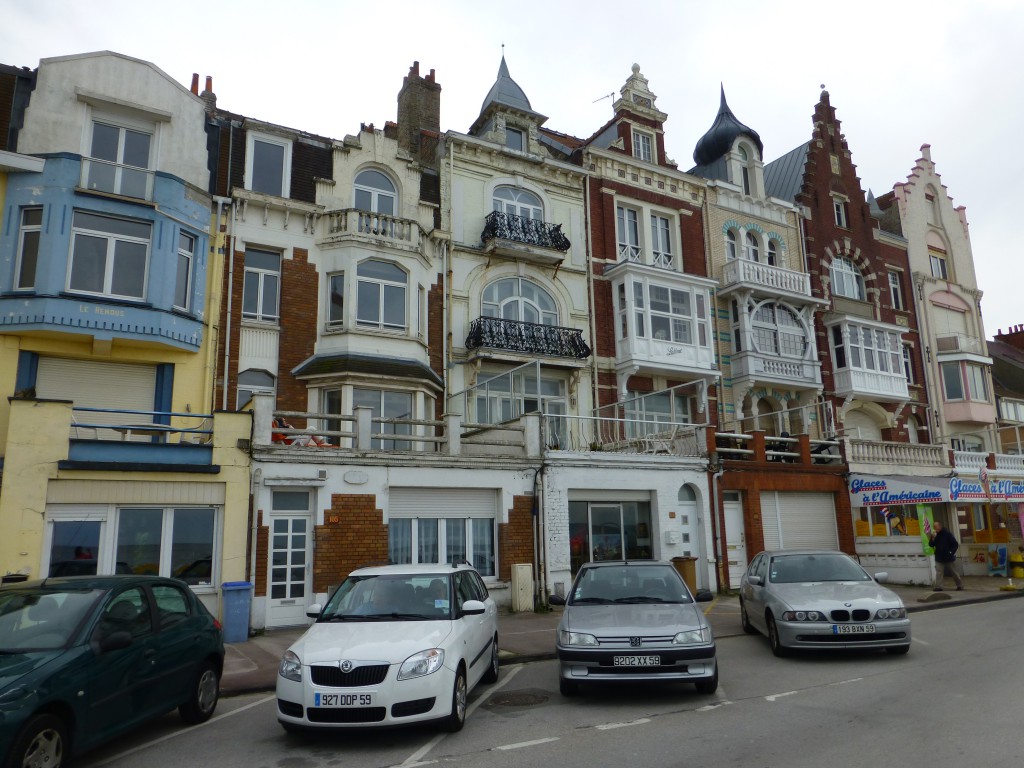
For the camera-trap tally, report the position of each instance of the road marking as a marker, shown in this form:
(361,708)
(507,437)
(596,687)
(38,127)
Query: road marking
(777,696)
(851,680)
(415,758)
(522,744)
(919,640)
(612,726)
(181,732)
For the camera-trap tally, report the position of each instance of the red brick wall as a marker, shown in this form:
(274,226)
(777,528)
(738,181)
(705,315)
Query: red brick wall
(515,538)
(353,535)
(299,302)
(262,556)
(435,336)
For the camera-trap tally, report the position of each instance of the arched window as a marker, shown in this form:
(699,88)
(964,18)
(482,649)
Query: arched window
(381,296)
(777,331)
(751,249)
(374,192)
(516,298)
(846,279)
(730,244)
(518,202)
(773,253)
(745,169)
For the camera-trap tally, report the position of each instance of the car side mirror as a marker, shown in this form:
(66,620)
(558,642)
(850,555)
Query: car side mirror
(703,596)
(314,611)
(115,641)
(556,600)
(473,608)
(882,576)
(754,580)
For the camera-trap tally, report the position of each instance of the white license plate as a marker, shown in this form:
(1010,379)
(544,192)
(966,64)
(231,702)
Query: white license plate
(343,700)
(853,629)
(636,661)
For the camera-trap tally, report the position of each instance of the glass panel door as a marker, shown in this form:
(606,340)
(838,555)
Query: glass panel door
(289,588)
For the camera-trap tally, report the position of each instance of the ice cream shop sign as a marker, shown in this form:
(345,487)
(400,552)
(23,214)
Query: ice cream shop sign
(879,491)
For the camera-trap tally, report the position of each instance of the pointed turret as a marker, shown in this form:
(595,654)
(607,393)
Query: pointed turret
(720,137)
(505,96)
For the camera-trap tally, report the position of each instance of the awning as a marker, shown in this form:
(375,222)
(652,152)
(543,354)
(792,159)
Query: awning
(883,490)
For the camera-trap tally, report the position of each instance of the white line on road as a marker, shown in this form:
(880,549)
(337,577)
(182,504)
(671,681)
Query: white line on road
(415,757)
(522,744)
(181,732)
(611,726)
(777,696)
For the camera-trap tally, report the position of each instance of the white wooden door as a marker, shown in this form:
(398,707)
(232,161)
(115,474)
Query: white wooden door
(736,538)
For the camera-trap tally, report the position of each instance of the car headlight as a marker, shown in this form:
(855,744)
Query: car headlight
(691,637)
(422,663)
(565,637)
(291,667)
(891,613)
(804,616)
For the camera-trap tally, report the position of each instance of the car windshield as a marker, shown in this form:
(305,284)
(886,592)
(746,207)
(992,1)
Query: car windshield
(400,597)
(629,583)
(41,620)
(794,569)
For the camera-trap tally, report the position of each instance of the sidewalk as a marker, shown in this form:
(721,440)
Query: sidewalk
(252,666)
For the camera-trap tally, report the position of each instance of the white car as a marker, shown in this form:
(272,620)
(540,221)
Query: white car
(395,644)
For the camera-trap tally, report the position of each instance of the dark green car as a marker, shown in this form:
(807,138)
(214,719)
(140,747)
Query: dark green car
(85,658)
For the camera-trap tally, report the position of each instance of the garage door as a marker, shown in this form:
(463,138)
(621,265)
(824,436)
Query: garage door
(798,520)
(442,502)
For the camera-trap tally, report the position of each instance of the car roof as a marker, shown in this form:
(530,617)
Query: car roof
(110,581)
(412,569)
(775,552)
(620,563)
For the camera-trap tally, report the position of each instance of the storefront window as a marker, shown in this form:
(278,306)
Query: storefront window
(609,531)
(896,520)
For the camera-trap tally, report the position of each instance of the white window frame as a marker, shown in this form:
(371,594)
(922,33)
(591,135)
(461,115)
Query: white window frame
(376,193)
(261,275)
(847,280)
(526,295)
(643,146)
(384,288)
(939,265)
(517,202)
(25,229)
(732,246)
(970,379)
(335,320)
(286,162)
(772,337)
(123,172)
(751,247)
(908,364)
(112,238)
(186,258)
(841,212)
(661,240)
(509,132)
(627,233)
(441,522)
(772,252)
(865,348)
(684,328)
(896,291)
(252,389)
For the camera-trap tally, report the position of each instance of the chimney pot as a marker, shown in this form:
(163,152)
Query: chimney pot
(209,84)
(195,83)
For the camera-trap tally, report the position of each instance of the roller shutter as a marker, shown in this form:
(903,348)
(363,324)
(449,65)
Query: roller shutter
(798,520)
(442,502)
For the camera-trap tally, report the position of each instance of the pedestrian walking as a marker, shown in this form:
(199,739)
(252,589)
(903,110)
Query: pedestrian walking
(945,545)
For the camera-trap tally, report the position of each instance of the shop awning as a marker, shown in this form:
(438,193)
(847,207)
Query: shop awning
(883,490)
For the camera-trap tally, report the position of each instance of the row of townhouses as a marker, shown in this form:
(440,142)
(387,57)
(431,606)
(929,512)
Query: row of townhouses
(244,354)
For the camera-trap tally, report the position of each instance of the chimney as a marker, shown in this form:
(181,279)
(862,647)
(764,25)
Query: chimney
(195,83)
(419,109)
(208,95)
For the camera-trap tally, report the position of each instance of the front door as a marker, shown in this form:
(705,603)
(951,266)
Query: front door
(290,548)
(735,535)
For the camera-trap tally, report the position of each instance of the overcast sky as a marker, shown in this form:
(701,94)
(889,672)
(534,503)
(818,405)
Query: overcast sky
(900,74)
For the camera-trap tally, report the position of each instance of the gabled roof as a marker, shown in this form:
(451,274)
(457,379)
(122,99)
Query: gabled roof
(784,177)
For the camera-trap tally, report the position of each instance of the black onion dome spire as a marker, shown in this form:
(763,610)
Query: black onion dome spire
(720,137)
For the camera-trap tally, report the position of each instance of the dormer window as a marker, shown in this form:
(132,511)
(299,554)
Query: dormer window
(846,279)
(268,165)
(514,139)
(119,160)
(745,170)
(643,146)
(375,193)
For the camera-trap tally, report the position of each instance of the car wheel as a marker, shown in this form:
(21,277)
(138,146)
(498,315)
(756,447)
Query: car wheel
(773,638)
(898,650)
(745,620)
(203,700)
(710,685)
(41,742)
(491,675)
(567,687)
(457,718)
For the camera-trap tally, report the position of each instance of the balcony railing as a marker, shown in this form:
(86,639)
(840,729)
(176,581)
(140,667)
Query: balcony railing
(520,229)
(533,338)
(896,454)
(352,221)
(117,179)
(766,276)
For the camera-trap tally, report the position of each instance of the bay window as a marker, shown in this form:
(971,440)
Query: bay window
(28,248)
(109,256)
(381,295)
(964,381)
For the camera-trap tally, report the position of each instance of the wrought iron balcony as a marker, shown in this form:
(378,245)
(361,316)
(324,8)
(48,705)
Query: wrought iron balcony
(519,231)
(517,336)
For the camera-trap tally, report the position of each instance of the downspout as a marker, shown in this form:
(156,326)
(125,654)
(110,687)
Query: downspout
(230,289)
(716,539)
(595,391)
(214,318)
(715,535)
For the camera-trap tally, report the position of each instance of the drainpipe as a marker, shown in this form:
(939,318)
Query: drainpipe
(214,318)
(595,393)
(230,289)
(716,537)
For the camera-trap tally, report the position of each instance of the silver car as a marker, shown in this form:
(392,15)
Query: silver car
(633,622)
(820,599)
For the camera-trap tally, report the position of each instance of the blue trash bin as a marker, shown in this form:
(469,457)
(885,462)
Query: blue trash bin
(237,598)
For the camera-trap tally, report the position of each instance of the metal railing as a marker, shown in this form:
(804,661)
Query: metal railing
(116,178)
(140,426)
(521,229)
(533,338)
